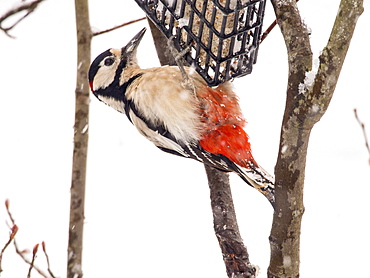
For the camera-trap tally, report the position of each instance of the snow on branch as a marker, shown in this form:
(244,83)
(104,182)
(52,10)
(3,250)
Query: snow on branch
(28,7)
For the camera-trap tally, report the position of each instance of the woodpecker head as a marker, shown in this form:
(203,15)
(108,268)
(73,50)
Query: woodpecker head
(112,69)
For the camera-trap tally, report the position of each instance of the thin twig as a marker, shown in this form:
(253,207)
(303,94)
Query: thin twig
(29,7)
(363,131)
(13,232)
(117,27)
(8,211)
(268,30)
(34,252)
(47,259)
(22,253)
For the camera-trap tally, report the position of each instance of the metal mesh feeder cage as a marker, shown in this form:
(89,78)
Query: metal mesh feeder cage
(223,35)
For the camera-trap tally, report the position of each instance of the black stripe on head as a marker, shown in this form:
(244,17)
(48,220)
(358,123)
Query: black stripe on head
(95,65)
(118,92)
(122,65)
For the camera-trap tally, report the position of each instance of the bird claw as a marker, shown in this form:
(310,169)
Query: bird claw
(179,59)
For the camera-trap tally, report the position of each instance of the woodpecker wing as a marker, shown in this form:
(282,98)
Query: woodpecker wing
(190,120)
(206,127)
(166,141)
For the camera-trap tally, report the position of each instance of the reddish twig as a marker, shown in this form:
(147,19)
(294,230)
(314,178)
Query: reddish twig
(8,211)
(117,27)
(269,29)
(363,131)
(34,252)
(47,259)
(22,253)
(13,232)
(29,7)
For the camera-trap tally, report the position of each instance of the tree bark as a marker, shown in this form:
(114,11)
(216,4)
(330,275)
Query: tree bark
(226,228)
(234,252)
(305,105)
(81,128)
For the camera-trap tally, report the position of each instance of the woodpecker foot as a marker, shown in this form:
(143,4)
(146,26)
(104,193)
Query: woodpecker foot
(179,59)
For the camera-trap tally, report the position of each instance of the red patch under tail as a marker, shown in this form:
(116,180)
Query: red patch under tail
(224,125)
(230,141)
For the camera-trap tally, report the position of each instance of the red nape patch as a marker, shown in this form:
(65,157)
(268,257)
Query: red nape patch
(230,141)
(91,86)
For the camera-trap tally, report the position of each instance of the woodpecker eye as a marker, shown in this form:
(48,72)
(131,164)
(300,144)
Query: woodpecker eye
(108,61)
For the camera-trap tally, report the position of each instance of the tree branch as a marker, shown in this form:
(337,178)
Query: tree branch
(234,252)
(14,230)
(117,27)
(290,167)
(362,125)
(34,252)
(28,7)
(269,29)
(332,58)
(21,253)
(305,105)
(81,132)
(47,259)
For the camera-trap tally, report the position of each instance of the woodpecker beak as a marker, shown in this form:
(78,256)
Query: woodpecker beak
(133,43)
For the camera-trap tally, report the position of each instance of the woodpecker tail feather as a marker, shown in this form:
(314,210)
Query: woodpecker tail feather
(231,142)
(259,179)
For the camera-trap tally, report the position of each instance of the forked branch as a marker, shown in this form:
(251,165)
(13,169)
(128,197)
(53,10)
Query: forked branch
(305,105)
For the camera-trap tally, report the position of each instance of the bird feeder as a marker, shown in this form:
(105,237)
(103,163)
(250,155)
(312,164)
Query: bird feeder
(221,36)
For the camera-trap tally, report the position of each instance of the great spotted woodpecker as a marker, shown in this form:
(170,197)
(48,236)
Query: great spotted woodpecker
(197,121)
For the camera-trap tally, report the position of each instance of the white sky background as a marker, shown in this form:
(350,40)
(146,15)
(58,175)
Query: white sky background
(147,212)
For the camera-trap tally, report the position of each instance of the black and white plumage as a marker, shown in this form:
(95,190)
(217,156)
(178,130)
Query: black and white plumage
(198,122)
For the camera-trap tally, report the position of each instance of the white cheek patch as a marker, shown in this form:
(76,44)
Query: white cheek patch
(105,75)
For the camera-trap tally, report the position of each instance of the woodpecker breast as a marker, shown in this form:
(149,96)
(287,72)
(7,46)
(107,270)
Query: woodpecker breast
(160,96)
